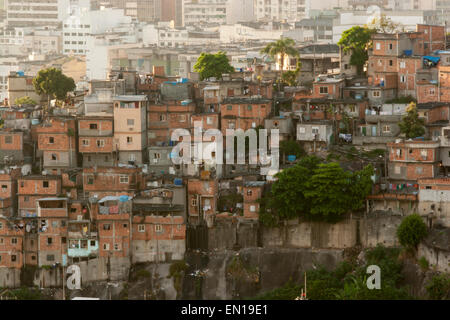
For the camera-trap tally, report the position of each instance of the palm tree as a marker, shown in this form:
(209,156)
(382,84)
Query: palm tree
(280,49)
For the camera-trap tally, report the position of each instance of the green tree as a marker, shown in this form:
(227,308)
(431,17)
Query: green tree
(411,125)
(53,83)
(24,100)
(438,287)
(290,77)
(411,231)
(213,65)
(286,198)
(279,50)
(357,41)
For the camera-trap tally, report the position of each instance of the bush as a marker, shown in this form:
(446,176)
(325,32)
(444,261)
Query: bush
(423,263)
(438,287)
(143,274)
(412,231)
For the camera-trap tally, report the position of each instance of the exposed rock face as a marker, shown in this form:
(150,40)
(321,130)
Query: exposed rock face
(250,272)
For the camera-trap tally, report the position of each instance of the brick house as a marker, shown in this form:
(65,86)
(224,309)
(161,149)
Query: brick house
(57,143)
(11,242)
(411,160)
(96,141)
(252,193)
(202,200)
(11,146)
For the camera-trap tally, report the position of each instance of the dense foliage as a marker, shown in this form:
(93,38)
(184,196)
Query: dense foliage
(411,125)
(213,65)
(53,83)
(411,231)
(25,100)
(438,287)
(315,191)
(356,41)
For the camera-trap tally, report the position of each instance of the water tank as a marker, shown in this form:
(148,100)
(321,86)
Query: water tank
(178,182)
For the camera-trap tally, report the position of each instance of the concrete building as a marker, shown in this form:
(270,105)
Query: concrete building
(290,10)
(240,11)
(31,13)
(204,12)
(314,136)
(130,128)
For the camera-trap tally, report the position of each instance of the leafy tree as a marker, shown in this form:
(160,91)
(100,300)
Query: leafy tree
(287,198)
(53,83)
(315,191)
(279,50)
(438,287)
(213,65)
(411,231)
(411,125)
(290,77)
(25,100)
(357,40)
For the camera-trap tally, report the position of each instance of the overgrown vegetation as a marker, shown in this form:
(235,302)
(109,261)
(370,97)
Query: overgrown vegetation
(438,288)
(23,293)
(411,231)
(411,125)
(176,271)
(348,280)
(315,191)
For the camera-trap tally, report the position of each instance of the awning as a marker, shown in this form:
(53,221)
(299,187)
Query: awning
(432,59)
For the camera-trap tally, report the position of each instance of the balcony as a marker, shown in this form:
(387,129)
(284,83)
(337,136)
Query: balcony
(82,247)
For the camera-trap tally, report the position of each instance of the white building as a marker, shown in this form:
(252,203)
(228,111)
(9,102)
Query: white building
(290,10)
(204,11)
(240,11)
(5,68)
(83,23)
(408,20)
(29,13)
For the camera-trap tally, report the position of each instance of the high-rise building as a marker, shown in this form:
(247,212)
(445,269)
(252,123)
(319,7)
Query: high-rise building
(30,13)
(290,10)
(240,11)
(204,11)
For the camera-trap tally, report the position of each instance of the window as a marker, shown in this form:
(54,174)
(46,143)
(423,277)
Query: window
(85,142)
(1,224)
(106,226)
(386,129)
(13,258)
(100,143)
(54,157)
(390,46)
(4,187)
(158,228)
(51,140)
(397,169)
(252,208)
(90,180)
(132,157)
(13,240)
(63,240)
(419,170)
(125,225)
(49,240)
(376,93)
(45,184)
(182,118)
(106,246)
(249,192)
(93,126)
(315,130)
(130,122)
(403,79)
(55,224)
(377,46)
(8,139)
(229,107)
(129,139)
(323,90)
(116,247)
(194,202)
(402,64)
(162,117)
(302,130)
(141,227)
(249,107)
(124,179)
(92,243)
